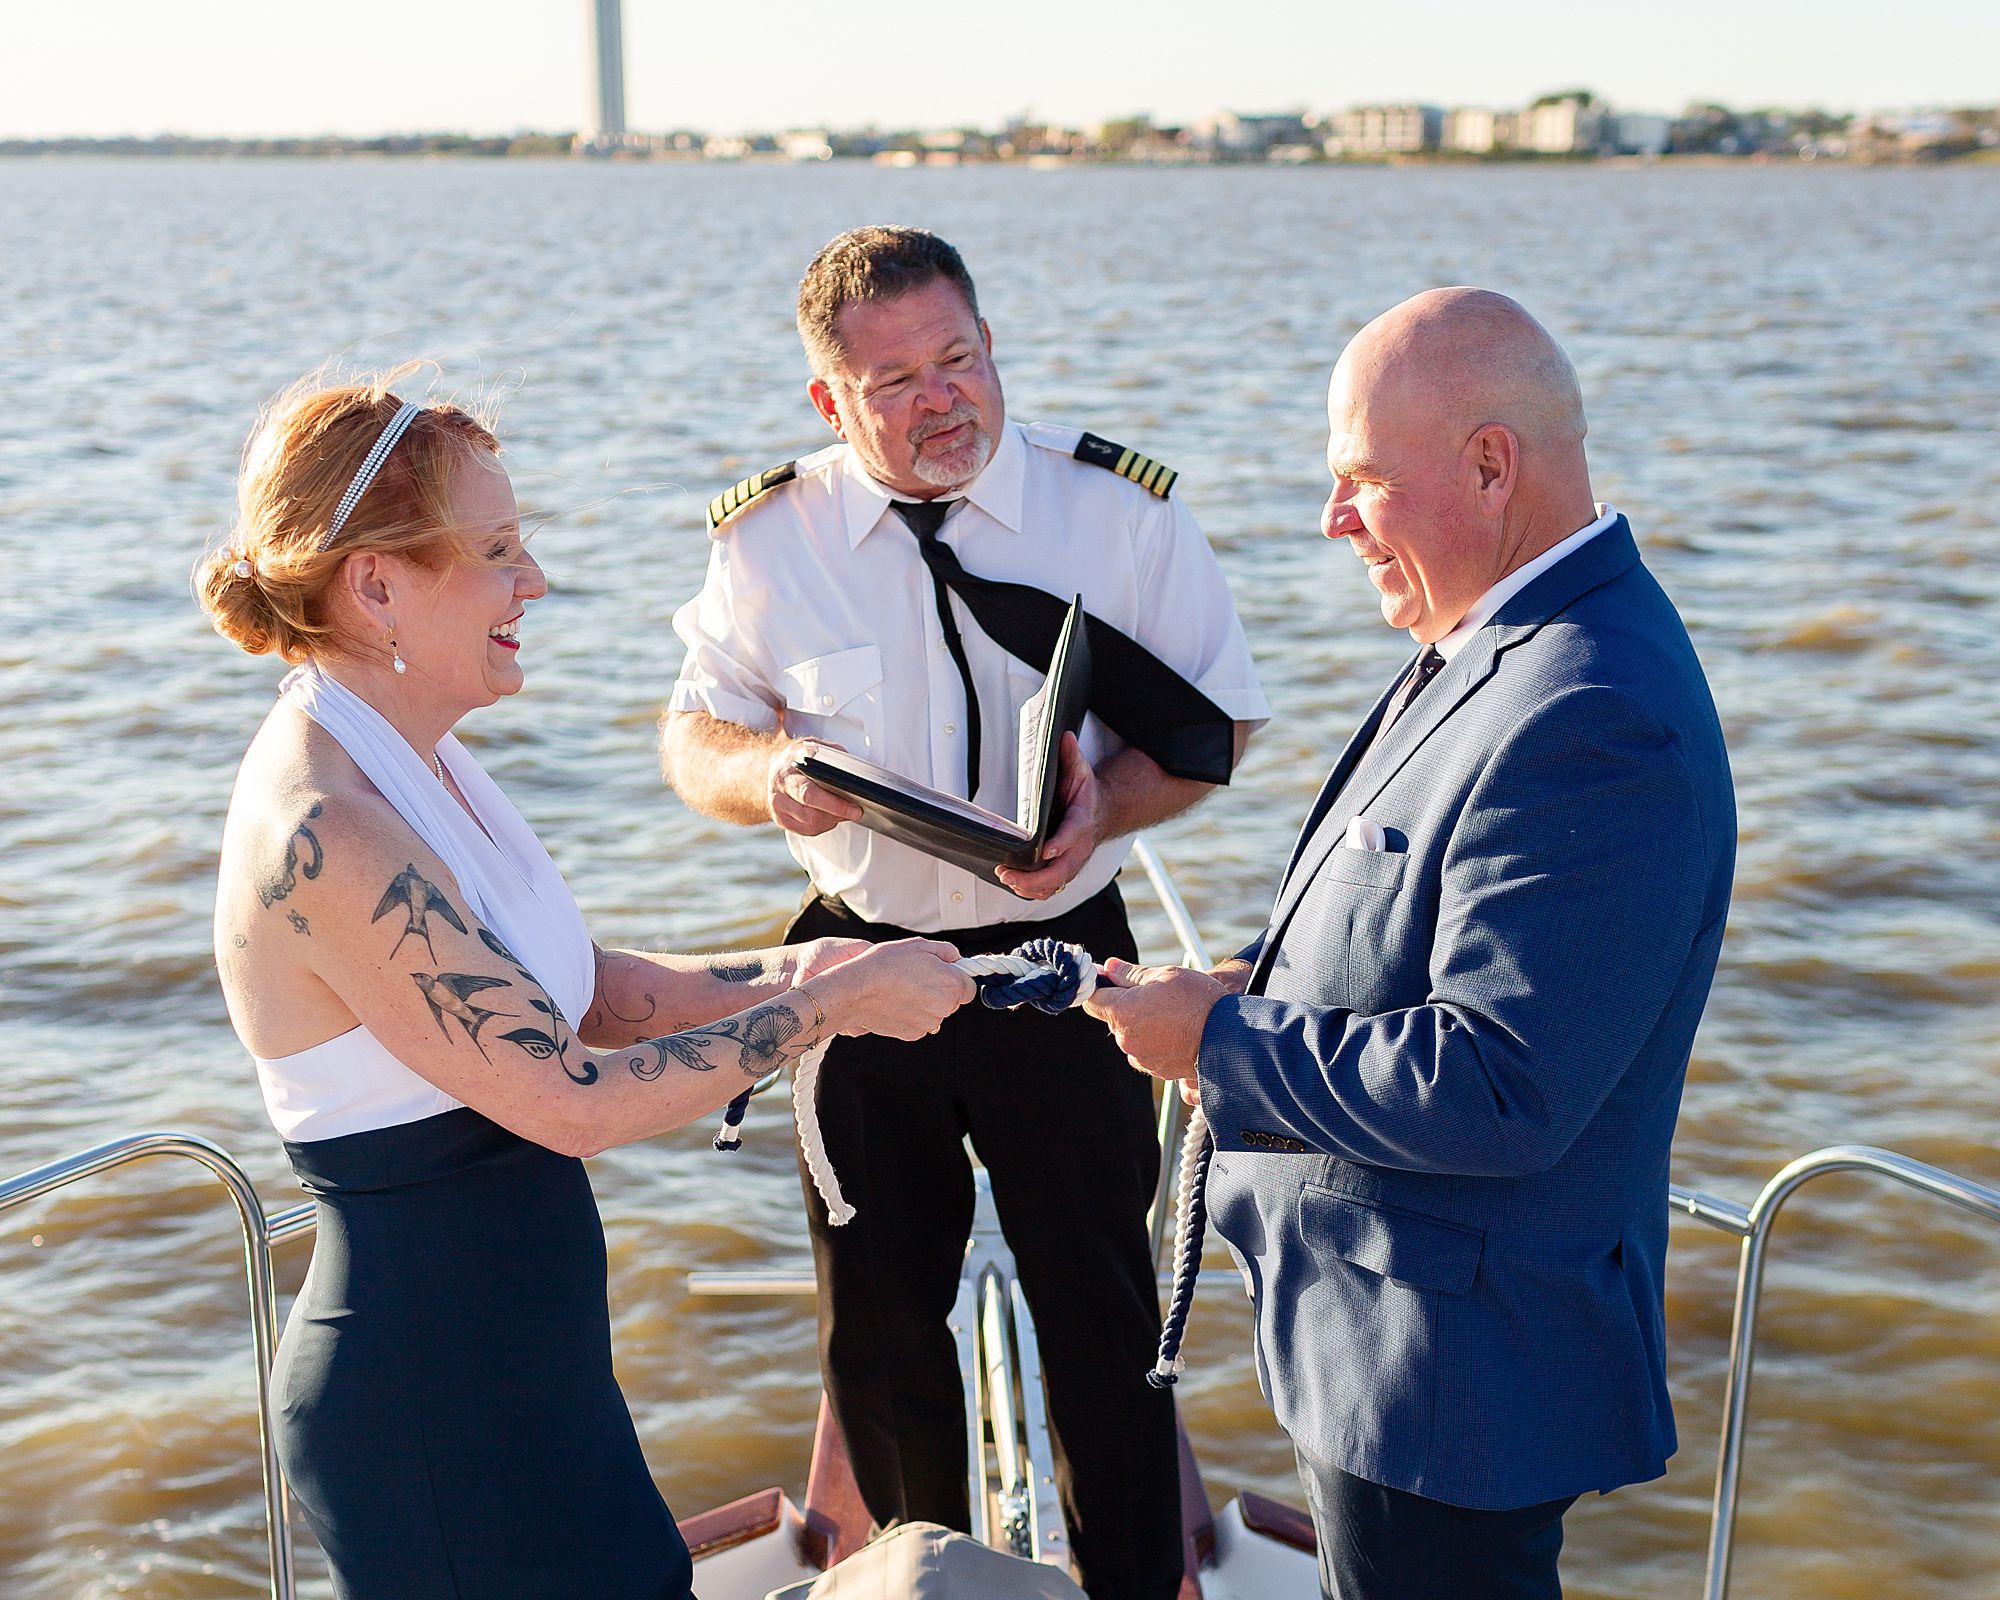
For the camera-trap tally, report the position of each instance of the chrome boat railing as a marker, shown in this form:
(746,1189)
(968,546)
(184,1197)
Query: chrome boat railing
(1753,1227)
(260,1232)
(999,1315)
(1173,1115)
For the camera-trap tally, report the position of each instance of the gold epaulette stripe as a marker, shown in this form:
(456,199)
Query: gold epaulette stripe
(1146,472)
(737,496)
(1149,474)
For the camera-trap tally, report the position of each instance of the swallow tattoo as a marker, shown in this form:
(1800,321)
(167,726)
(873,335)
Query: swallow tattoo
(449,994)
(418,897)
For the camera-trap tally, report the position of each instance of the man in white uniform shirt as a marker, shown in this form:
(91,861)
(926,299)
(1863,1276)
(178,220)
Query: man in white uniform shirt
(853,599)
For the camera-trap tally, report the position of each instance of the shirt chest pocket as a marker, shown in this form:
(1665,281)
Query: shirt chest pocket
(837,697)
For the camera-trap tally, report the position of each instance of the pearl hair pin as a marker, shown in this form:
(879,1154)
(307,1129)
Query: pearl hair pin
(242,567)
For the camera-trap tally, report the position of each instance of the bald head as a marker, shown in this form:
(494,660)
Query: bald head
(1454,359)
(1456,447)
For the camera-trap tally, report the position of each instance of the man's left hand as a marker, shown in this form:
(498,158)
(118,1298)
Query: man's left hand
(1076,836)
(1156,1014)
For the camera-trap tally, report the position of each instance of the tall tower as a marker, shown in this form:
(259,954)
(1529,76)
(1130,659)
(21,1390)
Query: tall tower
(607,54)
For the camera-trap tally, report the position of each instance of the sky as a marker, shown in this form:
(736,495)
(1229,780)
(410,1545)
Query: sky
(248,68)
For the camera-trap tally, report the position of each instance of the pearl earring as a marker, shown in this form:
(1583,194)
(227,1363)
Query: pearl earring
(396,657)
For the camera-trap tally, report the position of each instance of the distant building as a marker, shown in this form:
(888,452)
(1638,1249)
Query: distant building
(607,54)
(1470,129)
(806,144)
(1231,136)
(1916,135)
(1562,125)
(1641,133)
(1385,131)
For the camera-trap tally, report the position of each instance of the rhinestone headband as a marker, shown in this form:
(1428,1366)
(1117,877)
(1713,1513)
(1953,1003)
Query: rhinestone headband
(379,453)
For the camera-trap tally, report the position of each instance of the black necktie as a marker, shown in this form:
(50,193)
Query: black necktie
(1132,691)
(925,517)
(1429,664)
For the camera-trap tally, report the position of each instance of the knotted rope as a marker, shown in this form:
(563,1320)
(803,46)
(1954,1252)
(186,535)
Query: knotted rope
(1051,976)
(1047,974)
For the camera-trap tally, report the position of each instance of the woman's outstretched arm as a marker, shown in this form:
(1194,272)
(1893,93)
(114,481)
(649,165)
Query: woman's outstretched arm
(398,945)
(641,994)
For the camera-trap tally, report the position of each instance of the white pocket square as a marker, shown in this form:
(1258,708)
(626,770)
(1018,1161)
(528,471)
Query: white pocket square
(1364,833)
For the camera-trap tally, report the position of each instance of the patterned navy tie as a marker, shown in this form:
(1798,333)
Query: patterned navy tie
(1429,664)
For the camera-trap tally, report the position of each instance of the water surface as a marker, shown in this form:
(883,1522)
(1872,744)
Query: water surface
(1793,379)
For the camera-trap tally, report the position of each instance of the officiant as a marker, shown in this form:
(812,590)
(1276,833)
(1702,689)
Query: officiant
(897,595)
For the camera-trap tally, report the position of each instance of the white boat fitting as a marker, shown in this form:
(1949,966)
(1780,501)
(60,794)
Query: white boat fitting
(1253,1549)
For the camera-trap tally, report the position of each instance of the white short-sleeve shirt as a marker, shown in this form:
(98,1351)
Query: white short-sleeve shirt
(818,616)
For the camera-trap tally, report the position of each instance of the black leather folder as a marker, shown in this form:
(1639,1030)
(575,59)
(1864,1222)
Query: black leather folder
(956,830)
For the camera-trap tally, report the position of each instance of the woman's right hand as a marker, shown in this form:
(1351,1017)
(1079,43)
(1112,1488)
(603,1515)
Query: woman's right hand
(901,990)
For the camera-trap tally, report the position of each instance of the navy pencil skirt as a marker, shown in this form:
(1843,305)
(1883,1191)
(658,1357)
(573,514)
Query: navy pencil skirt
(445,1408)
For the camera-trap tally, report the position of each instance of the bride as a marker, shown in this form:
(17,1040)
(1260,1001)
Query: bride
(438,1039)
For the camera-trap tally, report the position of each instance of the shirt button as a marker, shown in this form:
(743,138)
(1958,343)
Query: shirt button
(826,699)
(951,727)
(956,896)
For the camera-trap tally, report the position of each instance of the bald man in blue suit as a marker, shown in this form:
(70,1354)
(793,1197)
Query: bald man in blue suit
(1443,1081)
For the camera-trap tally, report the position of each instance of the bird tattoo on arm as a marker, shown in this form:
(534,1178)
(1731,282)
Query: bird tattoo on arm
(449,994)
(418,897)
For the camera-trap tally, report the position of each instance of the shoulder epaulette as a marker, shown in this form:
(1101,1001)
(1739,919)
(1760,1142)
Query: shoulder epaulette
(735,498)
(1142,470)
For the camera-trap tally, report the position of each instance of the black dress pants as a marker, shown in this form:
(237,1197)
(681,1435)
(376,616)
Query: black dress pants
(1065,1128)
(1378,1543)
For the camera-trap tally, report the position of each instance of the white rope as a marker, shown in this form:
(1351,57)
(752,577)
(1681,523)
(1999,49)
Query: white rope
(805,1081)
(1191,1148)
(805,1112)
(1022,967)
(1197,1130)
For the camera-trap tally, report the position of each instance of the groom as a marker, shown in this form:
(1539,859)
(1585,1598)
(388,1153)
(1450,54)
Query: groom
(1443,1081)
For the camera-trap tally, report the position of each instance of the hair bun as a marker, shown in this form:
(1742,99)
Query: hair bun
(227,588)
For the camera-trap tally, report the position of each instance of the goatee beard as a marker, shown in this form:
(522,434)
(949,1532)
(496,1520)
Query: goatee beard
(958,467)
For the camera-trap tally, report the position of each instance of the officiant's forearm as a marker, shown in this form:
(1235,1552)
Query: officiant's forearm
(721,769)
(1137,792)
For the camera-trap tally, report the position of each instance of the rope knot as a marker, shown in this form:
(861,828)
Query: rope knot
(1056,976)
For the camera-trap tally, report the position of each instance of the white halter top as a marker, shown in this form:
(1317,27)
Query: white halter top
(351,1083)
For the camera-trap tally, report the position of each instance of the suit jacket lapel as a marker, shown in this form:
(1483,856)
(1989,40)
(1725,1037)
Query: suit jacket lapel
(1329,791)
(1385,758)
(1364,770)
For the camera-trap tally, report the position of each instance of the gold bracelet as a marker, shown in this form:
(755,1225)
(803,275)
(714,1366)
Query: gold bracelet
(819,1015)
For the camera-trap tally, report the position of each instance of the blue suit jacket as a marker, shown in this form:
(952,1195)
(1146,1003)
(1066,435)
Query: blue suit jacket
(1442,1110)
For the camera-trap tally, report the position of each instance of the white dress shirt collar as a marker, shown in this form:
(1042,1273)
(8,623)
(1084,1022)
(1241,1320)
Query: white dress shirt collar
(996,491)
(1485,607)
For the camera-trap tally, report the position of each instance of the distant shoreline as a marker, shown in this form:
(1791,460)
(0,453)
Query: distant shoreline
(554,150)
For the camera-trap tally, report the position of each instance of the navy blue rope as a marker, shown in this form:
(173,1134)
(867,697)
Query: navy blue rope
(1053,991)
(1187,1267)
(732,1119)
